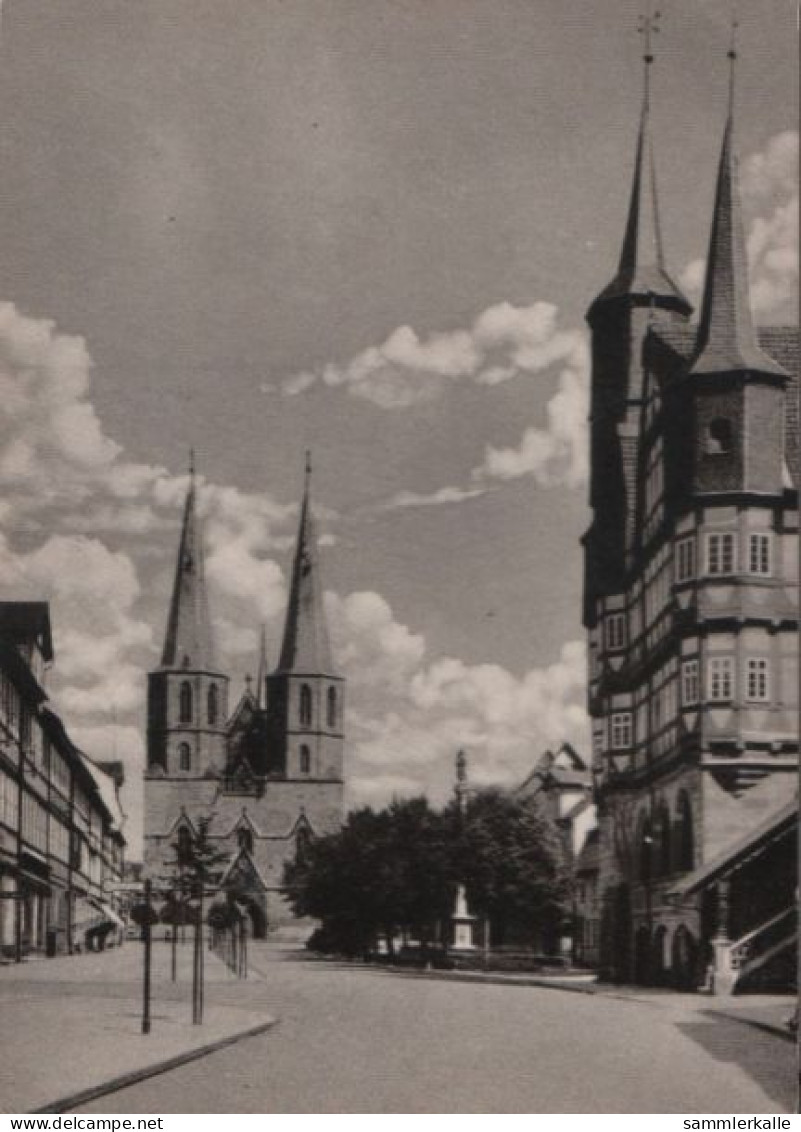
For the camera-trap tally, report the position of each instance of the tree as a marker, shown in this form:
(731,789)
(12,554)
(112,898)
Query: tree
(398,869)
(513,862)
(195,865)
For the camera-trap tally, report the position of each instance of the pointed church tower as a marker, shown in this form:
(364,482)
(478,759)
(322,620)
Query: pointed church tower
(305,694)
(731,378)
(187,693)
(642,294)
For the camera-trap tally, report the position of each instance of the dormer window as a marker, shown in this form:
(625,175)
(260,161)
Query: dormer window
(719,437)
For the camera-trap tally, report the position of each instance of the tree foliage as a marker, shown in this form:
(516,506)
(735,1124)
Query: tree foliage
(512,860)
(396,871)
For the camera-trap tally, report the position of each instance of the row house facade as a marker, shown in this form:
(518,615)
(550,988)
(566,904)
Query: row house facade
(691,576)
(61,824)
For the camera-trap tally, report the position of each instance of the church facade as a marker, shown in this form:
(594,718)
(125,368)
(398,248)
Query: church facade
(691,608)
(267,775)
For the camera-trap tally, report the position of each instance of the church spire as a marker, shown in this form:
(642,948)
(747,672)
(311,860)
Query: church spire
(261,675)
(641,271)
(305,647)
(727,339)
(188,640)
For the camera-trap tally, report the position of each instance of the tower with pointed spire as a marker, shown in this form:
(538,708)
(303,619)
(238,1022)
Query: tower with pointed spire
(187,693)
(691,607)
(640,296)
(268,776)
(305,693)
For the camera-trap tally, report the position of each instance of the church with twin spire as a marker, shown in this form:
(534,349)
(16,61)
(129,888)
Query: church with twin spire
(267,775)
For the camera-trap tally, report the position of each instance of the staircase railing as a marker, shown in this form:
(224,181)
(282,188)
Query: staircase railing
(736,959)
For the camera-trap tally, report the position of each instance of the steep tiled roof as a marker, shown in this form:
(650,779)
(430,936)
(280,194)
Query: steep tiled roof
(188,642)
(727,338)
(306,647)
(641,270)
(22,621)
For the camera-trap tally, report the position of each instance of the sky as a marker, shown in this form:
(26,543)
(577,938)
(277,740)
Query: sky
(370,228)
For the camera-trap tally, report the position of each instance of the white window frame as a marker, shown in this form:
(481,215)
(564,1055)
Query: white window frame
(690,683)
(685,559)
(757,679)
(760,554)
(720,679)
(716,541)
(620,726)
(615,631)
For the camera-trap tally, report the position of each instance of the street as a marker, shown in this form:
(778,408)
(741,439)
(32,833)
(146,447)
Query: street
(355,1039)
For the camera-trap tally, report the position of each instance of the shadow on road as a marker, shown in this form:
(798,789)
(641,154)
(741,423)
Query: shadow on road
(768,1060)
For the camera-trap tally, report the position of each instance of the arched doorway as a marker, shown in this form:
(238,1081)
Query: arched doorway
(659,960)
(642,956)
(684,960)
(257,917)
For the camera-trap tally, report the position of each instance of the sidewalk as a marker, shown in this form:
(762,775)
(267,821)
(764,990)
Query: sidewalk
(73,1024)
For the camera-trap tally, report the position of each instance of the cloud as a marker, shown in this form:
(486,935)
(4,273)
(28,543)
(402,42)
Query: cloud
(443,495)
(770,195)
(555,455)
(503,342)
(410,712)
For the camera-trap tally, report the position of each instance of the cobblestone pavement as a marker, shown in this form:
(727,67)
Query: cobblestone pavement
(355,1039)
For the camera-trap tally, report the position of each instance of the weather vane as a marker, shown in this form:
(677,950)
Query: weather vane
(648,27)
(732,52)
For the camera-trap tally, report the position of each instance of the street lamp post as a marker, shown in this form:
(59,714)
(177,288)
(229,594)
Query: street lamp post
(147,928)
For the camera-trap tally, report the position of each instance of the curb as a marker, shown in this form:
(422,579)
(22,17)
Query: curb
(76,1100)
(581,988)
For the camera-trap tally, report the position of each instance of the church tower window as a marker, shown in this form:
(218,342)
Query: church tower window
(332,707)
(305,760)
(185,703)
(305,712)
(244,837)
(185,757)
(213,706)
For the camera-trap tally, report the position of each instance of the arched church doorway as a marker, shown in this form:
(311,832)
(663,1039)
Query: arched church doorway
(256,916)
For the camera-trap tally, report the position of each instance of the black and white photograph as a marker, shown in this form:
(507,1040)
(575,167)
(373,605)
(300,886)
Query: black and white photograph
(399,557)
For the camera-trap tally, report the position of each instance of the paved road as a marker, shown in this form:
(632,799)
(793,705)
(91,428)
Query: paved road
(359,1040)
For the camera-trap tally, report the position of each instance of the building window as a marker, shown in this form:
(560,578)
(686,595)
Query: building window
(621,730)
(615,631)
(185,757)
(685,559)
(720,554)
(185,703)
(757,685)
(690,690)
(244,837)
(720,678)
(332,707)
(305,760)
(719,437)
(213,704)
(305,711)
(759,554)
